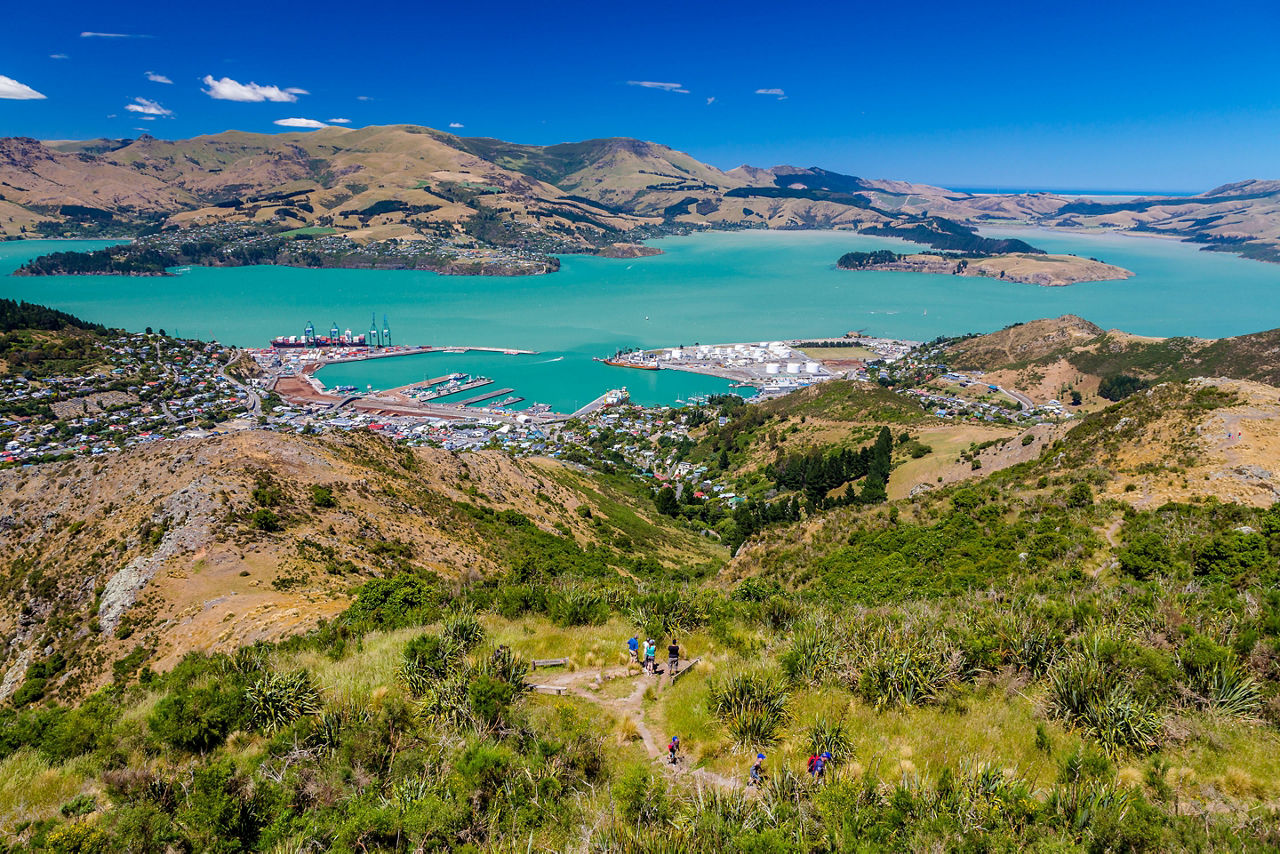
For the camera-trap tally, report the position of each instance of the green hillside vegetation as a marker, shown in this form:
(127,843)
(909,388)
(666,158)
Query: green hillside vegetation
(975,682)
(37,341)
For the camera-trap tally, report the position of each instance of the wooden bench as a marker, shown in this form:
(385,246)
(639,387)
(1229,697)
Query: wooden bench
(549,662)
(676,674)
(558,690)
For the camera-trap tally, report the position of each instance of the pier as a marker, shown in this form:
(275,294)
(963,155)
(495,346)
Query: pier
(488,396)
(476,383)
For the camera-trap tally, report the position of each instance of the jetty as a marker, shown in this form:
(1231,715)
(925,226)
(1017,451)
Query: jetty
(446,390)
(487,396)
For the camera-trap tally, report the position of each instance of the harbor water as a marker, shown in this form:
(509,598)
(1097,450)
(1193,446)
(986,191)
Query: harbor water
(705,288)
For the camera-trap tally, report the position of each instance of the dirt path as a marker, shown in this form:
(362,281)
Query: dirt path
(632,706)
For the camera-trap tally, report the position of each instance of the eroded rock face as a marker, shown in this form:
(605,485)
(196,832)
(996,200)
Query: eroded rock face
(191,513)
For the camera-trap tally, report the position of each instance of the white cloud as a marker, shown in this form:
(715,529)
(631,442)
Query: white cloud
(711,100)
(363,98)
(147,119)
(339,121)
(92,35)
(227,89)
(147,107)
(777,92)
(158,78)
(456,124)
(14,91)
(58,56)
(300,123)
(665,87)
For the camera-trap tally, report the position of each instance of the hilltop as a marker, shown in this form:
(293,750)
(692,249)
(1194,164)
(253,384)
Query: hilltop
(409,196)
(1046,357)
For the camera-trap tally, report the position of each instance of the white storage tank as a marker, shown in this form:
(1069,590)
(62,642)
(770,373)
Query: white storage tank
(772,368)
(793,367)
(812,367)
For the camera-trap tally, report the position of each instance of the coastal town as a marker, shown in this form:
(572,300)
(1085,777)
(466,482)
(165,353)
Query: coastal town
(151,387)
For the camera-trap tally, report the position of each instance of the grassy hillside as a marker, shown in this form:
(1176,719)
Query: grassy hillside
(257,536)
(1061,638)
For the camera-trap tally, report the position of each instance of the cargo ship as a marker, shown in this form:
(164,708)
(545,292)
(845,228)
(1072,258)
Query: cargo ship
(286,341)
(617,362)
(309,338)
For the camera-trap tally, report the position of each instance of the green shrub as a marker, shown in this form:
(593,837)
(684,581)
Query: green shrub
(322,496)
(830,736)
(427,658)
(276,700)
(198,719)
(897,667)
(1096,696)
(462,627)
(752,706)
(265,520)
(811,656)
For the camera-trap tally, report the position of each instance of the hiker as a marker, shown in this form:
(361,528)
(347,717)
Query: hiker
(673,749)
(633,644)
(673,657)
(650,653)
(757,771)
(820,767)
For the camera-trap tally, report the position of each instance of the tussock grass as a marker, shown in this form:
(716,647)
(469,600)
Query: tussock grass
(32,789)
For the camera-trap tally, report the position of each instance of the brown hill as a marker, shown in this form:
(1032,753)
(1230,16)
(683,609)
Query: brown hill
(211,544)
(1023,342)
(406,181)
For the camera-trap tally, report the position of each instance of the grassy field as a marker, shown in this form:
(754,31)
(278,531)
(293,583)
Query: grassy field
(839,353)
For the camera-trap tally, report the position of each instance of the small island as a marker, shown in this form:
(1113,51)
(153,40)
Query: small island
(1051,271)
(627,250)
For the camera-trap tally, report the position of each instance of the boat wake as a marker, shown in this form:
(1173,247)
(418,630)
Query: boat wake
(549,361)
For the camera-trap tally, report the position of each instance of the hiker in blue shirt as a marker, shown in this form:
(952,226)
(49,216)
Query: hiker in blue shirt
(634,645)
(757,771)
(819,767)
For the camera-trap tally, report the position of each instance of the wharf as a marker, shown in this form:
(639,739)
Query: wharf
(424,385)
(432,395)
(599,403)
(488,396)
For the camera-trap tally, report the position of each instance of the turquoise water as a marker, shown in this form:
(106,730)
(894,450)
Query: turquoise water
(708,288)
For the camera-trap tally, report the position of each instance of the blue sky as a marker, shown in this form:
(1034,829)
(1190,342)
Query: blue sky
(1123,95)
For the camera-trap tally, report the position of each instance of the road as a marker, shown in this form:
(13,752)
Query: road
(255,399)
(1022,399)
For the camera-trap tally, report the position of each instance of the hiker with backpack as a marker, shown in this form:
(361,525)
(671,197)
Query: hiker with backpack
(673,750)
(633,646)
(650,653)
(818,766)
(673,657)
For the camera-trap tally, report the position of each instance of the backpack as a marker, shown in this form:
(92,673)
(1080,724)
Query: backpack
(813,760)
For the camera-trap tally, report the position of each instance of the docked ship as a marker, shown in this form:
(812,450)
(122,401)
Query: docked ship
(617,361)
(309,338)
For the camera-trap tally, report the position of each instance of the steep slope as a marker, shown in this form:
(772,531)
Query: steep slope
(214,543)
